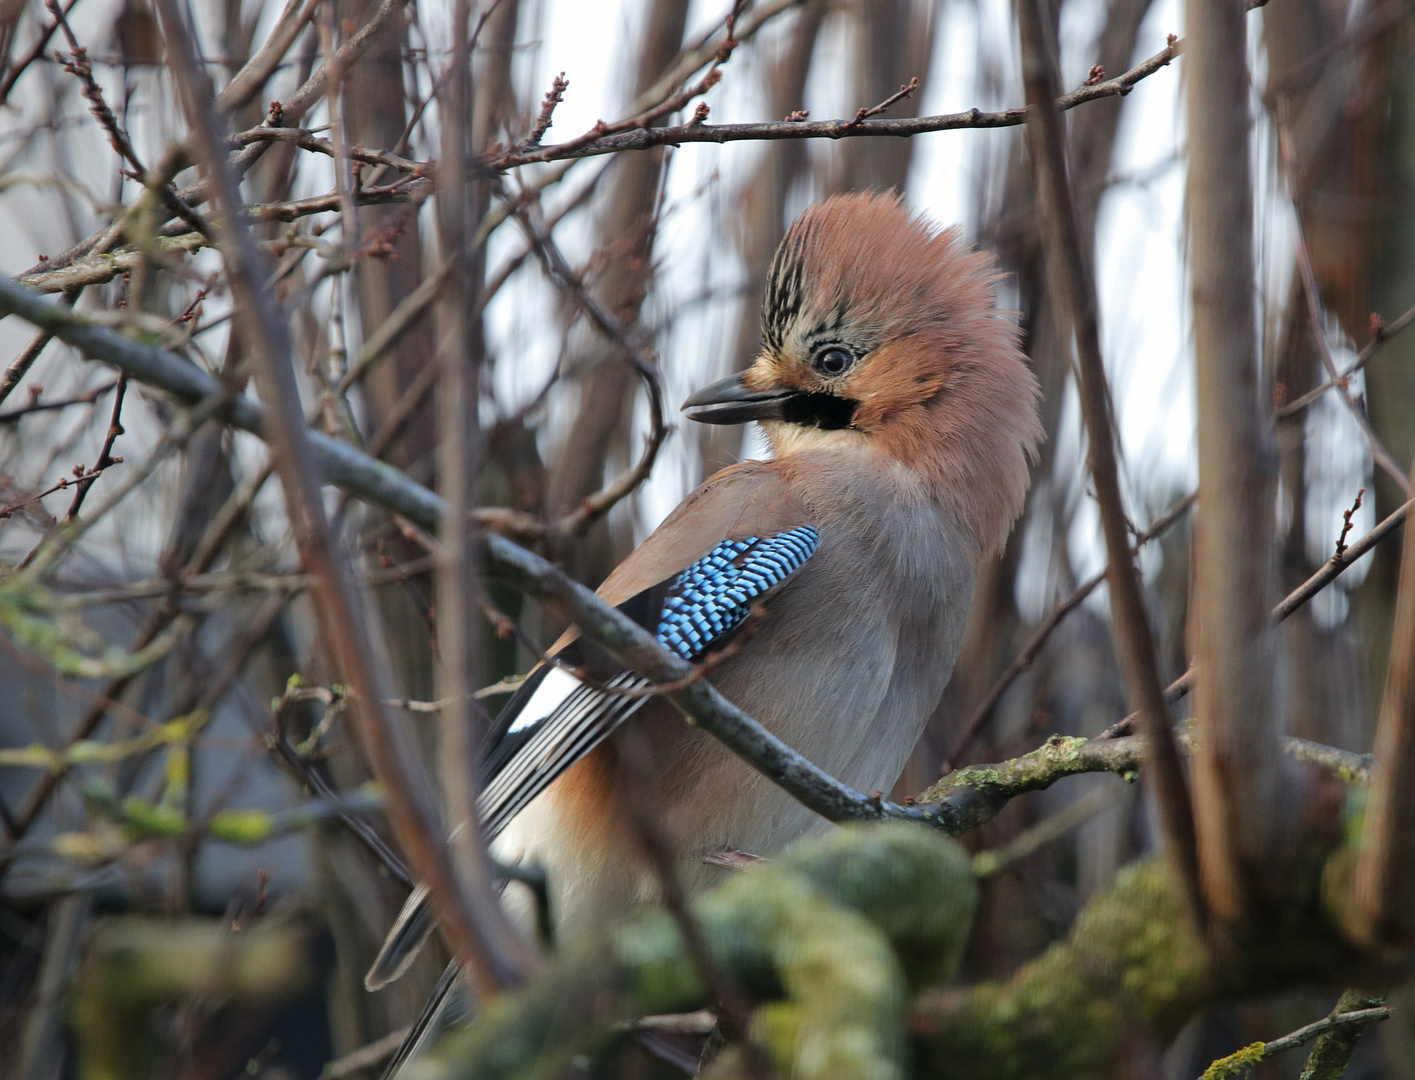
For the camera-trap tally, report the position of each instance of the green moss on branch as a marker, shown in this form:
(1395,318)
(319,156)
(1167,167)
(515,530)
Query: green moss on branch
(829,938)
(1129,957)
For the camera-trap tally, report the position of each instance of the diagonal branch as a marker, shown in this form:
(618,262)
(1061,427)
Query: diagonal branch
(1073,279)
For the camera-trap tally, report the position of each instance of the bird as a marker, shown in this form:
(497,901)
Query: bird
(901,415)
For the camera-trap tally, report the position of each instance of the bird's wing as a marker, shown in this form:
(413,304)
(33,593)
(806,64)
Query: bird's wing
(692,583)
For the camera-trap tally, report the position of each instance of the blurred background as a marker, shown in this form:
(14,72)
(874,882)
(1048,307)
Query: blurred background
(676,241)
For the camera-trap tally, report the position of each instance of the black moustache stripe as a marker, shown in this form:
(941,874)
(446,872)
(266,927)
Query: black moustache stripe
(826,411)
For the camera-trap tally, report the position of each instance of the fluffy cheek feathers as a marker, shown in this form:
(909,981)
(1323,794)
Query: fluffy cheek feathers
(970,429)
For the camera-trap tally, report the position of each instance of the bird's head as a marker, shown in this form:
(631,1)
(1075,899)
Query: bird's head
(880,335)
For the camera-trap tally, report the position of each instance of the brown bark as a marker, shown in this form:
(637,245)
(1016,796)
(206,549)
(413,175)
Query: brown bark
(1237,793)
(1384,885)
(1011,231)
(1073,279)
(461,205)
(472,919)
(375,113)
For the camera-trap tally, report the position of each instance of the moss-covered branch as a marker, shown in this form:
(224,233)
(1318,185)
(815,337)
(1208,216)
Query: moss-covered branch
(830,938)
(1129,957)
(966,798)
(1336,1037)
(1333,1050)
(1130,960)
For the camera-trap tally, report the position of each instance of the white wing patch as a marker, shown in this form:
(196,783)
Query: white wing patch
(557,685)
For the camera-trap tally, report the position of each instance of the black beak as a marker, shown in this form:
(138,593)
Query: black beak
(729,401)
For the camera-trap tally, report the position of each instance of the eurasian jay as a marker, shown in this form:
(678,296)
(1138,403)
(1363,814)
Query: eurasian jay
(902,415)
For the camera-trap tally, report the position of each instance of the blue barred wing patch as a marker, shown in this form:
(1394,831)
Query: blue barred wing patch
(714,596)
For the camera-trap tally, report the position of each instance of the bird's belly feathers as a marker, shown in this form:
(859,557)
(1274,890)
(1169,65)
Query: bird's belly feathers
(847,667)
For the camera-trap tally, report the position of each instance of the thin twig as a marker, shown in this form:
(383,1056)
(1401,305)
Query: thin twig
(156,624)
(1247,1058)
(366,1057)
(1033,647)
(899,95)
(35,52)
(247,82)
(1380,334)
(307,140)
(595,506)
(62,484)
(105,455)
(383,486)
(1313,294)
(80,67)
(645,138)
(88,397)
(553,97)
(20,366)
(993,861)
(469,920)
(1328,572)
(1332,1053)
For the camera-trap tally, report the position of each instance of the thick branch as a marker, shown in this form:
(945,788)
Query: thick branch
(1237,782)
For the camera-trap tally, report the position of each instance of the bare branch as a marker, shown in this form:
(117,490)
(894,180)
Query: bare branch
(88,397)
(1238,789)
(105,455)
(247,82)
(1383,890)
(1241,1063)
(1380,334)
(459,355)
(1336,380)
(693,132)
(1325,575)
(1073,279)
(384,486)
(306,140)
(1331,1055)
(35,52)
(21,364)
(596,505)
(1329,570)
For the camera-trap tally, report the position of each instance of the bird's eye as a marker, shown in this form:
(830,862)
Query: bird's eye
(833,361)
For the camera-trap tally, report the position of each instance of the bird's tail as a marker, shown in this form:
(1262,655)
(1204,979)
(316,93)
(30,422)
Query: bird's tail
(450,1004)
(400,947)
